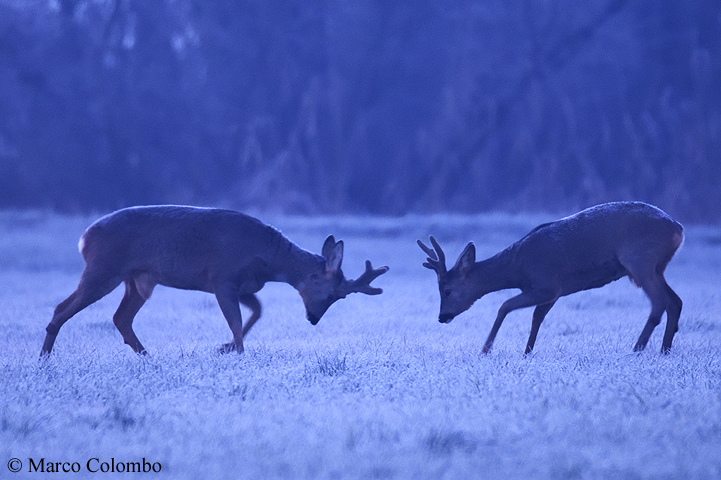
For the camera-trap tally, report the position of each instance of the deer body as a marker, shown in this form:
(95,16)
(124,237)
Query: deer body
(222,252)
(587,250)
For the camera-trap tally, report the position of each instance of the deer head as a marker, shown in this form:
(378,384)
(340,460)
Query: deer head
(457,293)
(323,288)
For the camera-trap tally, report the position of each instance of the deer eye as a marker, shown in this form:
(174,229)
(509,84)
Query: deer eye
(447,292)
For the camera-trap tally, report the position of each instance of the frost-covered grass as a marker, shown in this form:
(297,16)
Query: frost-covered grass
(378,389)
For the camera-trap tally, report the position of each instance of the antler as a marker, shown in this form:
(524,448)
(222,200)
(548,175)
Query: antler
(362,283)
(436,260)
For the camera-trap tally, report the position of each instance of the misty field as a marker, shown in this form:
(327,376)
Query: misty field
(378,389)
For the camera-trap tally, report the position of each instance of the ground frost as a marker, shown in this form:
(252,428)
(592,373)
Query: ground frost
(379,389)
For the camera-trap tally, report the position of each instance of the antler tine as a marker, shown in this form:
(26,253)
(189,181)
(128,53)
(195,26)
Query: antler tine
(436,259)
(439,250)
(362,283)
(431,254)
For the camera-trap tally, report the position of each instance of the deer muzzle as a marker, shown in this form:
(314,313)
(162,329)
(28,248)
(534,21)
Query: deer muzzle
(313,319)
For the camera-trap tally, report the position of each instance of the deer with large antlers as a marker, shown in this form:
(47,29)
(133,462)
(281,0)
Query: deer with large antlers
(587,250)
(222,252)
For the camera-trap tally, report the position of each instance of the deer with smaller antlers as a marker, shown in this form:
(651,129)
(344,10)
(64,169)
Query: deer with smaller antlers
(587,250)
(222,252)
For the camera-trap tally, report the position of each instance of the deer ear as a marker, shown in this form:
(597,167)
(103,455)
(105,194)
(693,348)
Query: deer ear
(328,246)
(467,258)
(334,256)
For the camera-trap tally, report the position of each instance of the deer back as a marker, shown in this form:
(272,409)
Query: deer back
(184,247)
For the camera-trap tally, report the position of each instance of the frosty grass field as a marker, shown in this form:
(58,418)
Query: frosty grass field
(379,389)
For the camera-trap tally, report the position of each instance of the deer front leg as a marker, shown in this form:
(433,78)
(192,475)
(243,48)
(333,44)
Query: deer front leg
(227,297)
(522,300)
(250,301)
(538,315)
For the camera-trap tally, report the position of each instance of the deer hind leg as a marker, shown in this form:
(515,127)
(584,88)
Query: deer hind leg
(658,306)
(92,287)
(137,291)
(538,315)
(648,274)
(655,288)
(250,301)
(673,313)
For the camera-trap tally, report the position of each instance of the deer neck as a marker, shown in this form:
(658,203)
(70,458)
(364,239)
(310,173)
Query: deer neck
(494,274)
(291,264)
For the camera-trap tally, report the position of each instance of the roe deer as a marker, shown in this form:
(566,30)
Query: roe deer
(587,250)
(222,252)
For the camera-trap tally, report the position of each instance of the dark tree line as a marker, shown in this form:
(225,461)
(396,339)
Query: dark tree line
(361,106)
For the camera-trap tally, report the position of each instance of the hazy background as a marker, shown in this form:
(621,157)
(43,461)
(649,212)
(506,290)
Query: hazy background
(379,107)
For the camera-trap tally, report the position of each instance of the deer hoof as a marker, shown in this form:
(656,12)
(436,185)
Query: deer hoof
(227,348)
